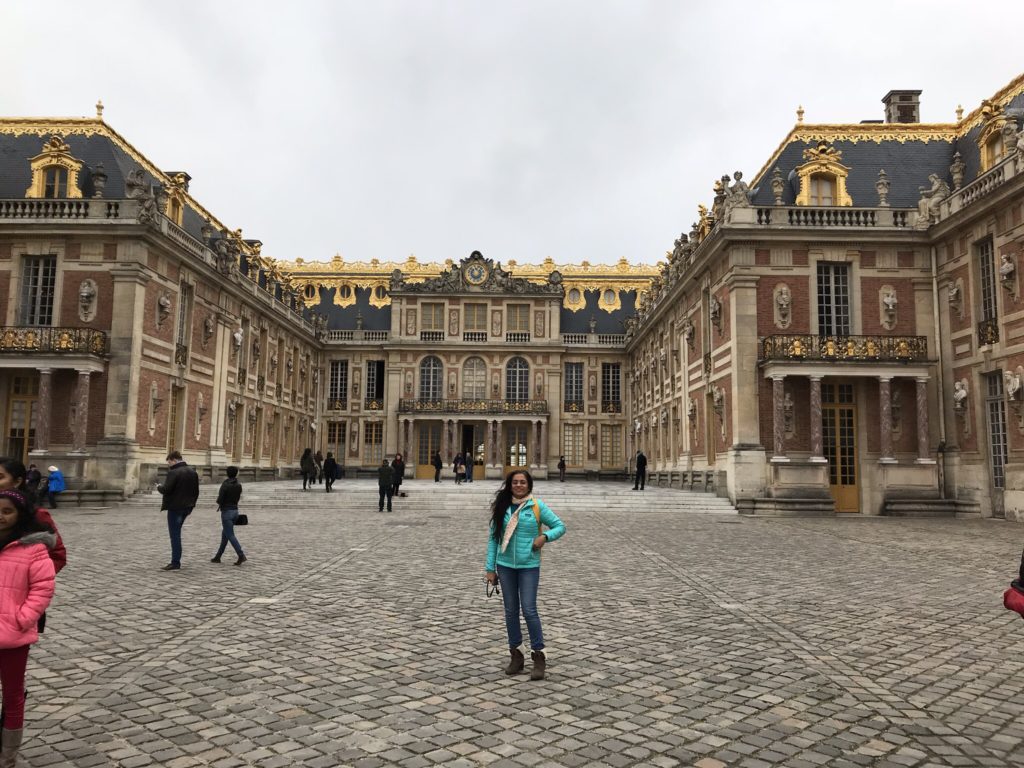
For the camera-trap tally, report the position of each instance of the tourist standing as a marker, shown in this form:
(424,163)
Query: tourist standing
(561,469)
(641,471)
(180,490)
(308,468)
(385,485)
(54,485)
(397,473)
(513,559)
(330,471)
(437,466)
(27,571)
(227,504)
(459,468)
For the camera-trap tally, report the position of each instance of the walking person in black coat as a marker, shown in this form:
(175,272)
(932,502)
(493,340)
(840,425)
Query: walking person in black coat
(330,471)
(227,502)
(437,466)
(641,471)
(384,485)
(180,490)
(397,473)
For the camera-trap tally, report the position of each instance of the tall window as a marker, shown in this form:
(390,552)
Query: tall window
(373,442)
(38,284)
(432,315)
(611,446)
(995,406)
(823,190)
(375,381)
(56,182)
(987,264)
(518,318)
(476,317)
(474,379)
(336,439)
(611,386)
(517,379)
(431,379)
(184,312)
(337,386)
(572,444)
(574,387)
(175,418)
(833,299)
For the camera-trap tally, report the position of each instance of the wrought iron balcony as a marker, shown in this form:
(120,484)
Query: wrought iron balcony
(573,406)
(988,331)
(32,338)
(611,406)
(374,404)
(454,405)
(337,404)
(845,348)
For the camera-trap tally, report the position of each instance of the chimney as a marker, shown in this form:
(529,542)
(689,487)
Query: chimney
(902,106)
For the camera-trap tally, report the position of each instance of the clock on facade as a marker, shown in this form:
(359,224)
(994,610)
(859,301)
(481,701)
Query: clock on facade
(476,273)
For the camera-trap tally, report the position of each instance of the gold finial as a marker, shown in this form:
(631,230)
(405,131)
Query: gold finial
(99,108)
(959,112)
(800,113)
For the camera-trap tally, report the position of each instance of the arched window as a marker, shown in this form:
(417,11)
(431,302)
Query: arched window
(474,379)
(56,182)
(823,189)
(517,380)
(431,378)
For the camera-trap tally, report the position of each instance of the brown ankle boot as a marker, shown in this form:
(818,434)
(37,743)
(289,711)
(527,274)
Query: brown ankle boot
(516,664)
(540,663)
(11,746)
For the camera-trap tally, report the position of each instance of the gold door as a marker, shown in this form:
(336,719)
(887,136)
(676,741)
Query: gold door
(839,441)
(516,441)
(21,427)
(427,444)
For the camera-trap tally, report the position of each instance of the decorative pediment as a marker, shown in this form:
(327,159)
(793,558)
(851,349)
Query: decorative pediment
(56,165)
(823,160)
(476,274)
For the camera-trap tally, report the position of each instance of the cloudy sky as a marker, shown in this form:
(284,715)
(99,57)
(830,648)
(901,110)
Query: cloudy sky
(577,130)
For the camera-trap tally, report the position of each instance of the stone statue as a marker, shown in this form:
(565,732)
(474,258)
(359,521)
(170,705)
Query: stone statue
(207,329)
(273,361)
(255,350)
(956,170)
(1012,385)
(960,395)
(928,207)
(163,308)
(137,189)
(237,337)
(882,188)
(1007,270)
(787,412)
(783,303)
(778,185)
(889,302)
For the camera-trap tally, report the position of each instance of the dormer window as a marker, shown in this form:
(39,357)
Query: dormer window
(993,151)
(55,172)
(823,177)
(823,189)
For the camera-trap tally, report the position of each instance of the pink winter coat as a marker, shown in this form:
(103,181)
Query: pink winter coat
(26,587)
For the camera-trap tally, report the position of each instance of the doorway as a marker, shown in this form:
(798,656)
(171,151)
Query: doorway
(839,443)
(471,444)
(516,440)
(21,417)
(428,443)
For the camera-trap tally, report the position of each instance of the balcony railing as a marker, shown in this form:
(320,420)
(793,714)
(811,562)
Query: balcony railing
(59,209)
(844,348)
(337,404)
(475,336)
(431,335)
(180,354)
(472,406)
(374,404)
(988,332)
(839,217)
(336,336)
(59,340)
(611,406)
(517,337)
(574,338)
(573,406)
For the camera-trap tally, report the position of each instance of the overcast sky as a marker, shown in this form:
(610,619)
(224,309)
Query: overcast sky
(575,130)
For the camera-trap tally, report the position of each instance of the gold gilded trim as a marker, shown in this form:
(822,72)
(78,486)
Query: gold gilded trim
(823,160)
(56,154)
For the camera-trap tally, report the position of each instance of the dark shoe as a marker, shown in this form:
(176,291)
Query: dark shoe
(241,559)
(540,663)
(171,567)
(516,664)
(215,559)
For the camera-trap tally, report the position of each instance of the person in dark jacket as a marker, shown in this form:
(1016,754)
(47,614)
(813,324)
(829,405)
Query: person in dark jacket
(385,484)
(227,502)
(330,471)
(437,466)
(180,490)
(32,478)
(318,462)
(308,468)
(397,473)
(561,469)
(641,471)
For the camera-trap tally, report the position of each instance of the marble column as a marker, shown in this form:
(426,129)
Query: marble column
(885,414)
(541,453)
(78,438)
(779,417)
(922,420)
(489,442)
(44,407)
(499,448)
(817,450)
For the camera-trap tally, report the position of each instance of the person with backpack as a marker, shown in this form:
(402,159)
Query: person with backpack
(513,559)
(227,503)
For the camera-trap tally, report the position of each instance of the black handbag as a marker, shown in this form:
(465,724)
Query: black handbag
(242,520)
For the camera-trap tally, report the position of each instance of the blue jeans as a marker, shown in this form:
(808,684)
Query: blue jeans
(176,519)
(228,515)
(385,492)
(519,592)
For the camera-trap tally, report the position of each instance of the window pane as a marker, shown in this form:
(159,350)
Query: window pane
(431,375)
(38,283)
(517,380)
(476,317)
(474,379)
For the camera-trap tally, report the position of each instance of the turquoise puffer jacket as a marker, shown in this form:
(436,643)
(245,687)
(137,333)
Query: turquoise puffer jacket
(520,552)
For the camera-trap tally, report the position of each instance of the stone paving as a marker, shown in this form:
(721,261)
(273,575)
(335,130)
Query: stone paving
(353,638)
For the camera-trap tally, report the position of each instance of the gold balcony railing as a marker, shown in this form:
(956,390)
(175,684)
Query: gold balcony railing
(849,348)
(60,340)
(455,405)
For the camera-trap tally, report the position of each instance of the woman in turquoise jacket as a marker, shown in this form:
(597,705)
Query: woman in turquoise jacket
(513,559)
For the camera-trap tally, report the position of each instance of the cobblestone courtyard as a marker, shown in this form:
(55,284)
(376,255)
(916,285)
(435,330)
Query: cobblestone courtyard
(358,639)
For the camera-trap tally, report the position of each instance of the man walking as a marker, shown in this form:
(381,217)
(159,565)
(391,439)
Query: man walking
(385,484)
(641,471)
(437,466)
(180,490)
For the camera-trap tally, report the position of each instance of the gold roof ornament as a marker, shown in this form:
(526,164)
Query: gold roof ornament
(959,112)
(99,109)
(800,114)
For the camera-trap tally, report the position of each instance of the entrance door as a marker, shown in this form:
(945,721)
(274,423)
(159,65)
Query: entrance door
(427,444)
(839,440)
(21,426)
(516,440)
(472,446)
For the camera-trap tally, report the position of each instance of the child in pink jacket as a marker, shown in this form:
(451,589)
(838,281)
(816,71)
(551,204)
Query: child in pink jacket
(26,588)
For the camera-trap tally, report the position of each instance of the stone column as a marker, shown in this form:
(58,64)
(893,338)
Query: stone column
(499,448)
(489,442)
(81,413)
(817,450)
(779,418)
(44,407)
(923,454)
(885,414)
(541,453)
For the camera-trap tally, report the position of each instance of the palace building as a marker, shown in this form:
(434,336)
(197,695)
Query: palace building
(839,334)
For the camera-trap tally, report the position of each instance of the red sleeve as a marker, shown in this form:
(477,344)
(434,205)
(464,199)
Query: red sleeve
(58,554)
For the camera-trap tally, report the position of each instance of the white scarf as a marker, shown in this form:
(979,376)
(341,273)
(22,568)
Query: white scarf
(513,522)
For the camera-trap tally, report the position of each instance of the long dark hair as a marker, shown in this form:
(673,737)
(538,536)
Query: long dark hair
(26,522)
(16,469)
(503,499)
